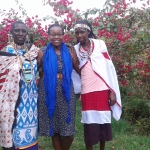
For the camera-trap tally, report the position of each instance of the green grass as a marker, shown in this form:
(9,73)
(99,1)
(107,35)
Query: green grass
(124,137)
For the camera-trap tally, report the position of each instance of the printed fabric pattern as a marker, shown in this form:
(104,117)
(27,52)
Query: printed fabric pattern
(25,131)
(9,93)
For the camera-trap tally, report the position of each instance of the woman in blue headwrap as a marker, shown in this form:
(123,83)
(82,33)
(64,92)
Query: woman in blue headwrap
(57,102)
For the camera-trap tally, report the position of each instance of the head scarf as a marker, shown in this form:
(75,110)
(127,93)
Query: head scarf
(82,26)
(85,24)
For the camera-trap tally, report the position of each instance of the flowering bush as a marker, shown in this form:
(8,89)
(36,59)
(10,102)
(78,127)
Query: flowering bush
(124,29)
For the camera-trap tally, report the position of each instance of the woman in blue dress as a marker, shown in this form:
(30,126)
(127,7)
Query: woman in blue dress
(57,101)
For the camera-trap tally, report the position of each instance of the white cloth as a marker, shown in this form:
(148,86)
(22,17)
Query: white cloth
(103,66)
(76,82)
(94,116)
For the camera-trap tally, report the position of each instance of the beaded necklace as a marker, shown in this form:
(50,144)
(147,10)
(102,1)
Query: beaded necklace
(27,73)
(85,54)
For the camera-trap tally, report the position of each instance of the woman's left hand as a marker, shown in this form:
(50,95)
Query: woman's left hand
(112,98)
(72,52)
(75,60)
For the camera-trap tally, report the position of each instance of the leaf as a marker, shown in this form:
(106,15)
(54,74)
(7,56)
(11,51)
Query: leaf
(101,25)
(108,29)
(109,25)
(95,32)
(93,12)
(133,33)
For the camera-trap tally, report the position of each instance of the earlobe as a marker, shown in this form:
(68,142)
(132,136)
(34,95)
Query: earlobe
(11,32)
(49,38)
(10,38)
(27,39)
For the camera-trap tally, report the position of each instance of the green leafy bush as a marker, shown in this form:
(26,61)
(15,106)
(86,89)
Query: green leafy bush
(143,126)
(137,112)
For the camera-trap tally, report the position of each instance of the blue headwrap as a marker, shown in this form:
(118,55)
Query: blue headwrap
(50,79)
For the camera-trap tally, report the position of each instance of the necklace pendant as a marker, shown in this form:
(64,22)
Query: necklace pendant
(28,77)
(28,85)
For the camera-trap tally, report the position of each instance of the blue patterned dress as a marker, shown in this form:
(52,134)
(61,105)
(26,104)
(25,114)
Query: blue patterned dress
(26,125)
(59,119)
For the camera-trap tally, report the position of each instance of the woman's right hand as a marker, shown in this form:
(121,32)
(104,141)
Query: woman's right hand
(41,74)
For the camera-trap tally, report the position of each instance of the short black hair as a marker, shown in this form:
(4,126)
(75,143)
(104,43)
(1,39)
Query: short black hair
(55,25)
(91,35)
(17,22)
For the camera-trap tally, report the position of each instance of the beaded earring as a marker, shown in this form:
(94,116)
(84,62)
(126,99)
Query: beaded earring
(10,38)
(27,39)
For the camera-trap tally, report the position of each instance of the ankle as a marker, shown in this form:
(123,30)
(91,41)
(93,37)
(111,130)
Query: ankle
(102,145)
(89,147)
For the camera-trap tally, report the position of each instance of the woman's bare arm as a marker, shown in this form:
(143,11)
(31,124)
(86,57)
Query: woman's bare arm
(39,58)
(75,60)
(112,98)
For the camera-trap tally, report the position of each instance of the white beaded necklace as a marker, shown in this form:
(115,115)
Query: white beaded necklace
(21,63)
(85,54)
